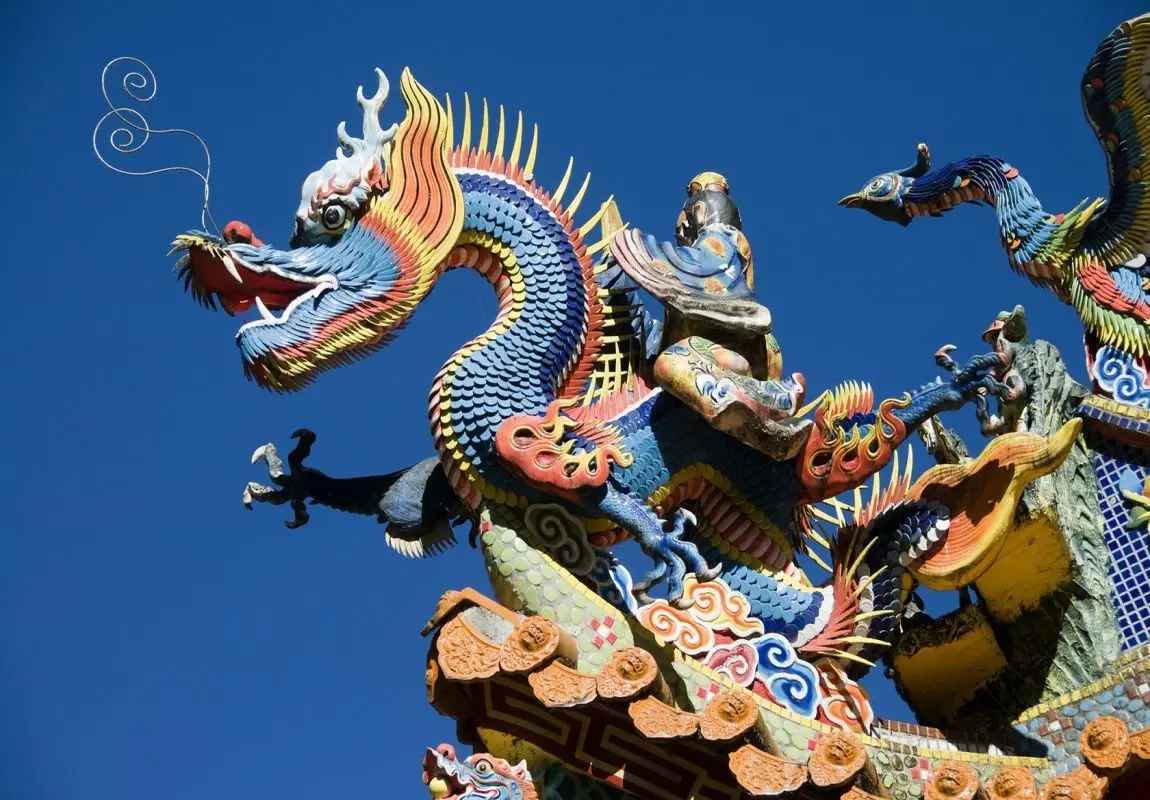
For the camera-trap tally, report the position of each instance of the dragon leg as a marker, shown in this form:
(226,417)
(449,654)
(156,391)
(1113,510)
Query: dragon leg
(416,503)
(851,440)
(674,556)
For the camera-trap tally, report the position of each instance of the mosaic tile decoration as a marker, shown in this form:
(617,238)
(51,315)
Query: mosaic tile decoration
(928,738)
(1124,694)
(1129,548)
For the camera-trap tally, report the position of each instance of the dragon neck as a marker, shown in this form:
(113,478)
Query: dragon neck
(545,343)
(1038,245)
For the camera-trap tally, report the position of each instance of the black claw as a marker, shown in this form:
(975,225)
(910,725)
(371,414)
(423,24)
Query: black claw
(301,515)
(296,484)
(302,450)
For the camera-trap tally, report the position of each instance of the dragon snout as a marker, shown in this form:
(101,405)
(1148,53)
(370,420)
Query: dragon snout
(440,781)
(236,232)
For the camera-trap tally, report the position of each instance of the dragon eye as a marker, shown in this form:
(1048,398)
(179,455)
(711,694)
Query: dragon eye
(483,767)
(334,217)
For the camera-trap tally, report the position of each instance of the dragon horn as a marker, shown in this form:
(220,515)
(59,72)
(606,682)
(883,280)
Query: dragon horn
(374,136)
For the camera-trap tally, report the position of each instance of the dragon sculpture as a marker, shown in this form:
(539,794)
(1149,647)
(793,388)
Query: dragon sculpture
(558,415)
(482,775)
(1093,256)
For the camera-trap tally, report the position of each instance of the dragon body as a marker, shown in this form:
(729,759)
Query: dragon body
(557,406)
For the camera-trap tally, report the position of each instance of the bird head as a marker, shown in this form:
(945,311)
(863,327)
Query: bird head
(883,194)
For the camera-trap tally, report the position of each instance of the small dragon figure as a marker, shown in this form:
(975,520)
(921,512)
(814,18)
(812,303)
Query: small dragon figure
(558,403)
(483,776)
(478,777)
(1093,256)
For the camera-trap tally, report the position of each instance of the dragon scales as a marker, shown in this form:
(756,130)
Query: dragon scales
(557,438)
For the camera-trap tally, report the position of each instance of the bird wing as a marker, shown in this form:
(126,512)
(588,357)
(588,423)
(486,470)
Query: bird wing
(1116,99)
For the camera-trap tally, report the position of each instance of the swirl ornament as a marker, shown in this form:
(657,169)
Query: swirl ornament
(843,701)
(562,535)
(1121,376)
(675,626)
(792,683)
(717,606)
(719,390)
(140,85)
(738,661)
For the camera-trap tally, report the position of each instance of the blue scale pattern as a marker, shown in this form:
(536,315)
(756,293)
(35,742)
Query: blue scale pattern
(517,372)
(665,436)
(1129,549)
(781,608)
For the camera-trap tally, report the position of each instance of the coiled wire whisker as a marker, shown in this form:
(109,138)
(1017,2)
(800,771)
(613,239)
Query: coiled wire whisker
(139,83)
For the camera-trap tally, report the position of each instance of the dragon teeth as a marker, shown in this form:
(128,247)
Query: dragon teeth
(264,312)
(230,266)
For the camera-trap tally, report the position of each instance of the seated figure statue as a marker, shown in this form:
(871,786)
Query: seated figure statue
(717,353)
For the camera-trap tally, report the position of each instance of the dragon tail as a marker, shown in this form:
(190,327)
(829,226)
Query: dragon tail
(869,555)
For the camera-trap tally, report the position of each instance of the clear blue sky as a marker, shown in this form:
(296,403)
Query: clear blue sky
(156,640)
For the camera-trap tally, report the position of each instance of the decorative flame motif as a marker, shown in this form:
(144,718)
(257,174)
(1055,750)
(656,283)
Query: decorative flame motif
(140,85)
(543,450)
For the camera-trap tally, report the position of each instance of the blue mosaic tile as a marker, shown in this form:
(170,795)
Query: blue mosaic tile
(1129,549)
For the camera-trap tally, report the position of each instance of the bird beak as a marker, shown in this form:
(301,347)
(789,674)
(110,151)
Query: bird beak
(851,200)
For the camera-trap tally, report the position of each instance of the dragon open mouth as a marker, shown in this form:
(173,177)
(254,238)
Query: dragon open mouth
(216,273)
(440,778)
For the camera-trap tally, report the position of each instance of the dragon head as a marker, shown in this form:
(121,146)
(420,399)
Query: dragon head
(883,194)
(373,226)
(480,777)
